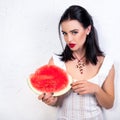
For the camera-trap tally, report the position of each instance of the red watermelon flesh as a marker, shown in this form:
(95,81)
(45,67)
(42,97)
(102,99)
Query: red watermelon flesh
(49,78)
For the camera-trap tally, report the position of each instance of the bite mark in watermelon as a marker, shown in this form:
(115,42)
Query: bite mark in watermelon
(50,78)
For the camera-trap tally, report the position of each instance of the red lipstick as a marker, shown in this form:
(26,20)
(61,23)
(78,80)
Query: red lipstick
(71,45)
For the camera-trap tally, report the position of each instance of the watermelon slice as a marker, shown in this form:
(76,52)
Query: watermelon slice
(50,78)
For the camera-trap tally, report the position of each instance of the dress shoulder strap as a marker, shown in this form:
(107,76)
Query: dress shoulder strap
(103,72)
(107,64)
(105,69)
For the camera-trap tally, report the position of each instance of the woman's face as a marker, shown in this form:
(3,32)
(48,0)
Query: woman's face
(74,34)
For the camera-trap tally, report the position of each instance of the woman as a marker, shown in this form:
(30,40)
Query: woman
(92,71)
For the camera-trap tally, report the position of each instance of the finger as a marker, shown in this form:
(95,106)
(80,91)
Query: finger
(75,83)
(78,82)
(47,96)
(79,90)
(51,99)
(78,86)
(40,97)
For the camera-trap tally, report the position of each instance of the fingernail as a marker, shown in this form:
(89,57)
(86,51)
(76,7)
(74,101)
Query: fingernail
(42,98)
(52,93)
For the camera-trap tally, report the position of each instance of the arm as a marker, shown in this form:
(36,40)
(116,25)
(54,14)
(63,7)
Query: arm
(104,95)
(49,98)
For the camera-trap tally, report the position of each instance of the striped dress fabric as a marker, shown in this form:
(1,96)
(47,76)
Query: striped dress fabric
(82,107)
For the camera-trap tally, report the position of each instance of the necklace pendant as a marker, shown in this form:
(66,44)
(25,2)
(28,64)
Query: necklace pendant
(80,65)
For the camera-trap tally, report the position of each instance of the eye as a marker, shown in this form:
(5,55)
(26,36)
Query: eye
(64,33)
(74,32)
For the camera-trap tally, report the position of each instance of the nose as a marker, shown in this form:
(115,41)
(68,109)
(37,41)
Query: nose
(70,38)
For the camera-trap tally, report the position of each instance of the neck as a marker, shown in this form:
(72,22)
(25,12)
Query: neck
(79,55)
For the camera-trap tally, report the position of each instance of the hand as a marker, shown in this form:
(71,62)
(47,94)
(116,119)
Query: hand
(48,98)
(84,87)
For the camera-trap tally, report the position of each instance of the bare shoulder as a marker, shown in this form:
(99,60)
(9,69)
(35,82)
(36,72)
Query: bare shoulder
(100,59)
(51,62)
(109,82)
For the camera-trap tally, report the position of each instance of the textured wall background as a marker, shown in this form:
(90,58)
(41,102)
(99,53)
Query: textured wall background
(28,37)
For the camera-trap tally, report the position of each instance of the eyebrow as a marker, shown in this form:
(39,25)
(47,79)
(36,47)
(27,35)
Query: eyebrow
(71,30)
(74,30)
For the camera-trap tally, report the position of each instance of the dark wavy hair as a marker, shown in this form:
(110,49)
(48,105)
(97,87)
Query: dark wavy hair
(92,49)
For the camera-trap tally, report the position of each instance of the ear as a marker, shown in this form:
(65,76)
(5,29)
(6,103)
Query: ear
(88,29)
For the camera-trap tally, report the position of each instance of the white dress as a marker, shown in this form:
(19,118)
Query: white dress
(82,107)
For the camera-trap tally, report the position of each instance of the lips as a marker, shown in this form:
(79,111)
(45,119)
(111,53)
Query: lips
(71,45)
